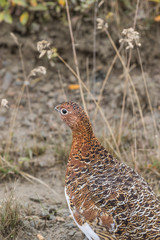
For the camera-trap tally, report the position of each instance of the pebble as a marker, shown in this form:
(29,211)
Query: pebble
(70,225)
(32,116)
(47,88)
(45,214)
(32,224)
(71,233)
(7,80)
(2,120)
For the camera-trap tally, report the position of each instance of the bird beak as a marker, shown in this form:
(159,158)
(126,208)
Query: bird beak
(57,108)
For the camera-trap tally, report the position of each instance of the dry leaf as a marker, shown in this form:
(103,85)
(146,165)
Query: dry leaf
(73,86)
(157,19)
(62,2)
(24,18)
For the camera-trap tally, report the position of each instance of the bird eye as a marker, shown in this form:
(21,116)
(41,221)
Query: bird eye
(64,111)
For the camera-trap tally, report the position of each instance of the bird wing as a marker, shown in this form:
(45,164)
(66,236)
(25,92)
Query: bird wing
(123,199)
(113,199)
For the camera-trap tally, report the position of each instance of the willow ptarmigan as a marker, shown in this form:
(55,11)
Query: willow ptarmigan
(106,198)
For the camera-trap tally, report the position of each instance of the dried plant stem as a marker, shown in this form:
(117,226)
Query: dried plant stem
(104,83)
(61,83)
(22,62)
(100,110)
(126,82)
(94,42)
(124,98)
(75,56)
(14,115)
(136,13)
(149,100)
(30,177)
(87,75)
(13,120)
(15,111)
(130,80)
(30,111)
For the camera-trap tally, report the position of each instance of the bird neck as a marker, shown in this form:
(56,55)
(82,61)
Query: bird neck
(82,139)
(83,132)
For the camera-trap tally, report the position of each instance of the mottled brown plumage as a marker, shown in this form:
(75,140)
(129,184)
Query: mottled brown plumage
(107,199)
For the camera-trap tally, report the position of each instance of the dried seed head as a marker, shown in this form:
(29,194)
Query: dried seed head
(42,47)
(37,72)
(101,24)
(130,38)
(43,52)
(4,103)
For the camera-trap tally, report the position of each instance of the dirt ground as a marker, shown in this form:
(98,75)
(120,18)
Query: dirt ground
(40,141)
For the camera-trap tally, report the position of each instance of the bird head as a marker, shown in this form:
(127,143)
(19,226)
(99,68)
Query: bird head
(74,116)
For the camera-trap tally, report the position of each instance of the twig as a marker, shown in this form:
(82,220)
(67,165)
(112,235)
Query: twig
(75,56)
(124,99)
(126,82)
(149,100)
(105,81)
(61,83)
(94,42)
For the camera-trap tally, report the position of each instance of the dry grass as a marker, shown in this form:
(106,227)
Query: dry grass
(8,167)
(10,219)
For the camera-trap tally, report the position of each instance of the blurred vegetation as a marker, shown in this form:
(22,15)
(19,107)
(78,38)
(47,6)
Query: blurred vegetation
(10,219)
(25,10)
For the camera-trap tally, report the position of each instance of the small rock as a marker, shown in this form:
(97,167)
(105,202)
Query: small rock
(45,215)
(70,225)
(2,120)
(51,103)
(71,233)
(32,117)
(47,88)
(32,224)
(26,123)
(7,80)
(26,223)
(51,94)
(60,219)
(52,218)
